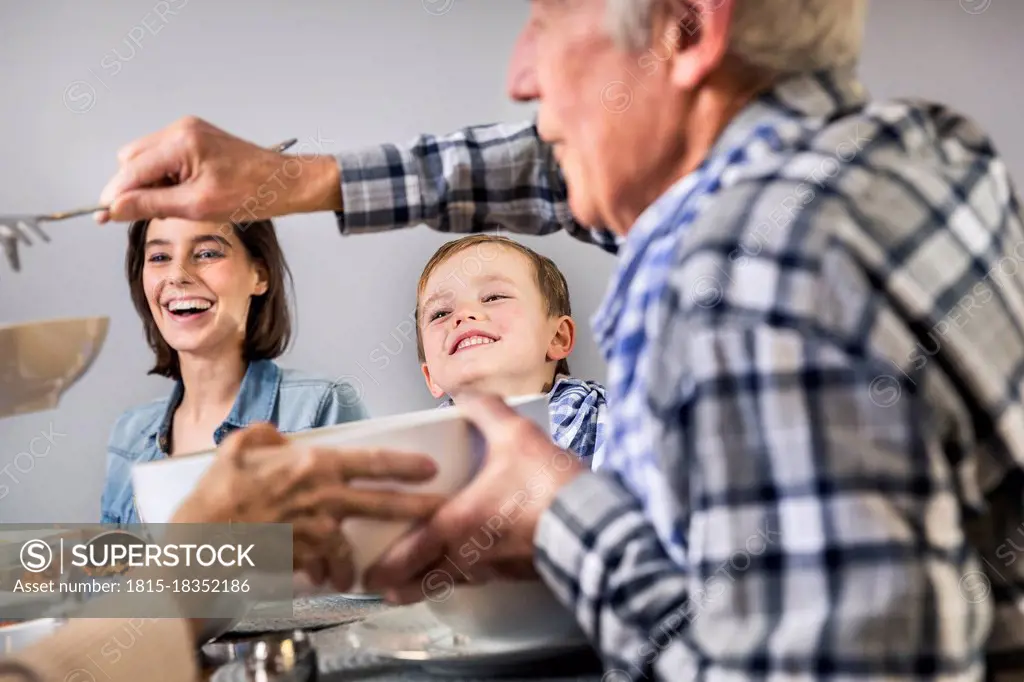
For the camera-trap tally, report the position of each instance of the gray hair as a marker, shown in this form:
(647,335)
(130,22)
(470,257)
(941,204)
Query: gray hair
(784,36)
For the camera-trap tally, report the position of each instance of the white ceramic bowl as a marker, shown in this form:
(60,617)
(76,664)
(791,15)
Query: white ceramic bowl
(18,636)
(40,360)
(443,434)
(514,611)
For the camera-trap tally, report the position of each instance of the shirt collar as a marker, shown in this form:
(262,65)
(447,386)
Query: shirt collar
(814,98)
(254,402)
(794,101)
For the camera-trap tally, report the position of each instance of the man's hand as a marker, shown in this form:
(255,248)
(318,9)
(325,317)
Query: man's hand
(259,476)
(498,510)
(195,171)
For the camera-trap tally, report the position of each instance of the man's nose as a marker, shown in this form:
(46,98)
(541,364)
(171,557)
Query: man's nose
(522,75)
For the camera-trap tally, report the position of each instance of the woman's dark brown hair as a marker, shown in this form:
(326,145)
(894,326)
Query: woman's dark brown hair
(269,327)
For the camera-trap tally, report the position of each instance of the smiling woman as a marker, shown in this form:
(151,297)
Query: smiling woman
(201,286)
(213,300)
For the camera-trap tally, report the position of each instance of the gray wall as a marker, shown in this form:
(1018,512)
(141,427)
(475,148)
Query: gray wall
(75,87)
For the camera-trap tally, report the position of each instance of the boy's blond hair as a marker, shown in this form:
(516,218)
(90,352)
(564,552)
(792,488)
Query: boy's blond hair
(550,280)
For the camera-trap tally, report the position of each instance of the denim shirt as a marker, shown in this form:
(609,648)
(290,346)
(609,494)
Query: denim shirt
(290,400)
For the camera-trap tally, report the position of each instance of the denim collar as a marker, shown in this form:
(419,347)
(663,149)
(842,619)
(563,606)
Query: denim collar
(254,403)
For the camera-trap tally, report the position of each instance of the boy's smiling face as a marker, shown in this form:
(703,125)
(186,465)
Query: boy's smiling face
(485,326)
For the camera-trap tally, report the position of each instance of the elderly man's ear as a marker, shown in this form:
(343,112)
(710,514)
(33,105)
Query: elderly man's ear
(699,32)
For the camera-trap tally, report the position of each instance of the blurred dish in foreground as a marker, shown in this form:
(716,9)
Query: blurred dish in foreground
(39,361)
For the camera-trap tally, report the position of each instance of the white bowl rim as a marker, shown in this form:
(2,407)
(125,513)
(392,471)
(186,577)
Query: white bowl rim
(53,321)
(360,428)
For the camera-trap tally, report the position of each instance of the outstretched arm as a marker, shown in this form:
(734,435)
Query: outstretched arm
(480,178)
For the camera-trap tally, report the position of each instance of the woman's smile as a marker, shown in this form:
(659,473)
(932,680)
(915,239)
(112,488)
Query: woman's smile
(188,309)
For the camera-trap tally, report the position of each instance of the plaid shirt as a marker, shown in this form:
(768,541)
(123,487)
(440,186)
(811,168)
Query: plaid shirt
(815,344)
(479,179)
(578,416)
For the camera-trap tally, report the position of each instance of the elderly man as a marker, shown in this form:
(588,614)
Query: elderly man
(814,339)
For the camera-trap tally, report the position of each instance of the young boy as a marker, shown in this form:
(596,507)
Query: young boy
(493,315)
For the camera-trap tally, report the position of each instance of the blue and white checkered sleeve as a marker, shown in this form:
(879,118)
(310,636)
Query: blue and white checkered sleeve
(478,179)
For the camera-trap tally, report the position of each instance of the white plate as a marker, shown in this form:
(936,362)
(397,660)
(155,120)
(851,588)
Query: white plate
(505,611)
(412,634)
